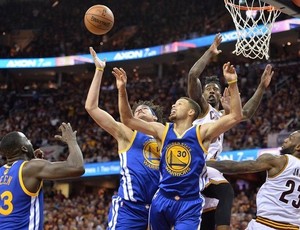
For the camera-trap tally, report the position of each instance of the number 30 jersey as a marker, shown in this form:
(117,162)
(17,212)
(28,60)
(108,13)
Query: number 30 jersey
(19,208)
(278,198)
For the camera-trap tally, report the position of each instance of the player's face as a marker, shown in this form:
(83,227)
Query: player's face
(179,110)
(27,147)
(144,112)
(289,144)
(212,94)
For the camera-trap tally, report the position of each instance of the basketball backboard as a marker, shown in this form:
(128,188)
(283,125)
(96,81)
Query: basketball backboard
(285,6)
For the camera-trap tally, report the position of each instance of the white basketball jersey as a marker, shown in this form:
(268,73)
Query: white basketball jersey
(278,198)
(215,148)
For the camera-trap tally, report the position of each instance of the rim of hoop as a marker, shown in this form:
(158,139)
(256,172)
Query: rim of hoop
(268,8)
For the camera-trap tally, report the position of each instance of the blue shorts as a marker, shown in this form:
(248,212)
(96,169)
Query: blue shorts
(124,215)
(182,213)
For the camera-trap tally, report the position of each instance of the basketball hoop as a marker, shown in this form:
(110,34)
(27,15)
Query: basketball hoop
(253,20)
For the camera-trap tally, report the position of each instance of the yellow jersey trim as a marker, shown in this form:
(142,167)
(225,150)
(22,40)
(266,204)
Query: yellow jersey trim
(178,135)
(276,224)
(200,139)
(25,190)
(130,143)
(164,137)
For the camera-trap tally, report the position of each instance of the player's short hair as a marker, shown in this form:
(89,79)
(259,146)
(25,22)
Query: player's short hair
(10,144)
(195,106)
(155,109)
(212,79)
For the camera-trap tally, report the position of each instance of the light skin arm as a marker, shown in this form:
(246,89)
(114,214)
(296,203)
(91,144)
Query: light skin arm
(265,162)
(194,83)
(101,117)
(251,106)
(211,131)
(154,129)
(37,170)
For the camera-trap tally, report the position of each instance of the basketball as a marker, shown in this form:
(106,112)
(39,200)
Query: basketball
(296,2)
(99,19)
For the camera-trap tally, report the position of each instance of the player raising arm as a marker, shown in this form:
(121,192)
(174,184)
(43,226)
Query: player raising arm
(217,212)
(278,204)
(139,158)
(21,178)
(178,201)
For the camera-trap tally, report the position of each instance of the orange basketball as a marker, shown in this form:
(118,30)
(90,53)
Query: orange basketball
(296,2)
(99,19)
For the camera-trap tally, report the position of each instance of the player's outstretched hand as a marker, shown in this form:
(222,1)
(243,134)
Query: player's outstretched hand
(266,77)
(38,153)
(214,46)
(98,63)
(67,133)
(229,72)
(121,77)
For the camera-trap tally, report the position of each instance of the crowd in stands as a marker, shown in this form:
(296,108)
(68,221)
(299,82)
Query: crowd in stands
(37,110)
(88,211)
(60,31)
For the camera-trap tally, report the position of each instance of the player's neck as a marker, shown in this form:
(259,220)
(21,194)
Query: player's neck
(14,159)
(181,126)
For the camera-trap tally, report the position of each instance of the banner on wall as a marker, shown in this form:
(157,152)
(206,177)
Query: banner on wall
(126,55)
(113,167)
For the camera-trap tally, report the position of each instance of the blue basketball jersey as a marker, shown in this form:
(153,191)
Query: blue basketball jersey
(139,169)
(19,208)
(182,162)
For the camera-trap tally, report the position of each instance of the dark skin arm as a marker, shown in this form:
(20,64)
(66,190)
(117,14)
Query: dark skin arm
(266,162)
(37,170)
(194,83)
(251,106)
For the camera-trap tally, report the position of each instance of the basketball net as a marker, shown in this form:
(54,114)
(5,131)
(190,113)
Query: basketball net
(253,20)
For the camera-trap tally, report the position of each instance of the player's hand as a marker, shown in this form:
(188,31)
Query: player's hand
(97,61)
(121,77)
(38,153)
(225,101)
(229,72)
(266,77)
(214,46)
(67,133)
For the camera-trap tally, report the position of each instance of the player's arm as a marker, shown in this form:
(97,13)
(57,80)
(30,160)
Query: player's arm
(212,130)
(39,169)
(251,106)
(265,162)
(151,128)
(194,83)
(101,117)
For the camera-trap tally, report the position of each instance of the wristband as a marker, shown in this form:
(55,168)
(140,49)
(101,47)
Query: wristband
(231,82)
(100,69)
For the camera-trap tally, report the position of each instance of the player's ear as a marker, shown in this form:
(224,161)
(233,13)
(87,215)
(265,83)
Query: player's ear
(155,118)
(24,149)
(297,148)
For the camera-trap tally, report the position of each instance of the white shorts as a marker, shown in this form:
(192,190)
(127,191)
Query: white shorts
(214,177)
(253,225)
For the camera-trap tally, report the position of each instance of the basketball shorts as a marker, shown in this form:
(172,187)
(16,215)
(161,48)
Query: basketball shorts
(180,213)
(253,225)
(214,177)
(124,215)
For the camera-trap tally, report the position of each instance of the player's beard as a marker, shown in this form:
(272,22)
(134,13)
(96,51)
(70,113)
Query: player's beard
(288,150)
(172,118)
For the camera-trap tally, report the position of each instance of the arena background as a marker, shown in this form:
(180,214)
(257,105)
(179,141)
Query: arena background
(35,100)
